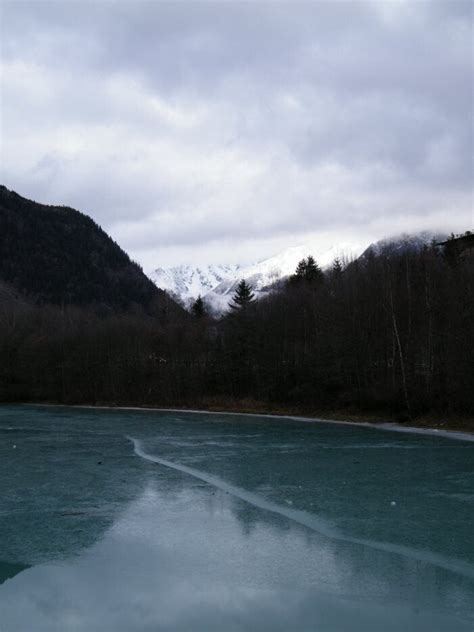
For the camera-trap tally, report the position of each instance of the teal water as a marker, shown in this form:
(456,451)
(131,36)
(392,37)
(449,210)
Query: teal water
(130,520)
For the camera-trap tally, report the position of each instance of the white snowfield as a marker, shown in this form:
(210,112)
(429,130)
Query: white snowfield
(189,282)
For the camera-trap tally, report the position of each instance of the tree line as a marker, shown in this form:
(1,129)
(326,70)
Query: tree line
(389,333)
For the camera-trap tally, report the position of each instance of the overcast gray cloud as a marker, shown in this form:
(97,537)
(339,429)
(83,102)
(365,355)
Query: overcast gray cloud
(222,131)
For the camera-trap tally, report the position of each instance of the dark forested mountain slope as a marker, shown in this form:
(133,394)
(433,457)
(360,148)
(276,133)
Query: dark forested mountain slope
(404,244)
(55,254)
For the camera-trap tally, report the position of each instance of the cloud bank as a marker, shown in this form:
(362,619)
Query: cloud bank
(220,131)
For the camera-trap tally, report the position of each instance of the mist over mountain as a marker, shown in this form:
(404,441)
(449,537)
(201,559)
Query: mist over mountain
(58,255)
(404,243)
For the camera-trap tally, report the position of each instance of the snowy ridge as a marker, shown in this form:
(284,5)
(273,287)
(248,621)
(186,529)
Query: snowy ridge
(263,275)
(217,283)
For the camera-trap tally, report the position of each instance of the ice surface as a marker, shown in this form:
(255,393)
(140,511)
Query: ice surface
(307,519)
(230,523)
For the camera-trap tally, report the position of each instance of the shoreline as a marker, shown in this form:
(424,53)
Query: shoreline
(384,425)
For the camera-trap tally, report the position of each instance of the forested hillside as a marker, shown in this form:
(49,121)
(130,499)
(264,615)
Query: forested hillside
(57,255)
(391,333)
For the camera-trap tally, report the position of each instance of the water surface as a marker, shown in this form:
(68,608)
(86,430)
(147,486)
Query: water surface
(129,520)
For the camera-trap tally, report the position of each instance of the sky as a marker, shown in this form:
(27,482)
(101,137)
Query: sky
(223,132)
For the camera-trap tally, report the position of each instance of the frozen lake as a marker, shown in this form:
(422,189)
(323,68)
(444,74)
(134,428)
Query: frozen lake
(129,520)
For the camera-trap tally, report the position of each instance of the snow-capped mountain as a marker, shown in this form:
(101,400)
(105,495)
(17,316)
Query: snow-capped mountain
(263,275)
(188,282)
(216,284)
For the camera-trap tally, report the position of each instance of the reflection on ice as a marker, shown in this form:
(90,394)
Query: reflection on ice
(304,518)
(229,523)
(7,570)
(182,561)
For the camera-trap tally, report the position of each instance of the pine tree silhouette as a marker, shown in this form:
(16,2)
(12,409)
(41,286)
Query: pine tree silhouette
(198,308)
(307,270)
(243,296)
(337,266)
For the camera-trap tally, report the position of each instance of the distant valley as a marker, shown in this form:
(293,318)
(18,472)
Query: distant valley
(58,255)
(80,322)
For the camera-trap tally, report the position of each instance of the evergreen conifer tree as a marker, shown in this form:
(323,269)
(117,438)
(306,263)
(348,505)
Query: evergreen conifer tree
(198,308)
(243,296)
(337,266)
(313,272)
(300,269)
(307,270)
